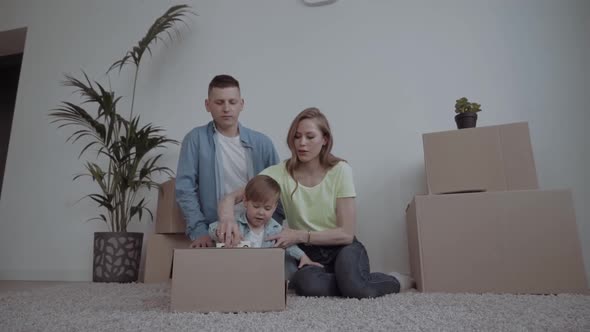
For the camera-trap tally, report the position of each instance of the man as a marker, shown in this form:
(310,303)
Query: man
(218,158)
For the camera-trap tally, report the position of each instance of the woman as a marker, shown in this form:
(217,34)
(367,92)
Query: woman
(318,195)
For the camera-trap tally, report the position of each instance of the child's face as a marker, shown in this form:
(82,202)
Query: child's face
(259,213)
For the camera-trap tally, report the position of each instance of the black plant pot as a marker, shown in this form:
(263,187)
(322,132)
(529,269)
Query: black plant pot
(466,120)
(116,256)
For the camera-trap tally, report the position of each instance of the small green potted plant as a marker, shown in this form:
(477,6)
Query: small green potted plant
(124,156)
(466,113)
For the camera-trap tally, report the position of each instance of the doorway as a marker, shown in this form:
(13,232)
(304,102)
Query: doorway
(11,55)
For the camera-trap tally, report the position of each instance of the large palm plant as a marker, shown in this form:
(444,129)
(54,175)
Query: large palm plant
(126,150)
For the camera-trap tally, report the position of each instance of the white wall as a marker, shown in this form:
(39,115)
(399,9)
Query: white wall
(384,72)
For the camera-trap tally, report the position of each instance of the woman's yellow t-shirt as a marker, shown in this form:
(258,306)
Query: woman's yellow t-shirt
(313,208)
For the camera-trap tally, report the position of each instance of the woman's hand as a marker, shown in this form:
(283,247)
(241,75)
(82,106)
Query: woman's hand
(307,261)
(286,238)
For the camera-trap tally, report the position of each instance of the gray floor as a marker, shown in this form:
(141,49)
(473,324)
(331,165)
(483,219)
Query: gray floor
(84,306)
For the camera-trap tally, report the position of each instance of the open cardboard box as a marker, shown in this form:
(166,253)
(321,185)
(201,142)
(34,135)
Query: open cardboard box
(228,280)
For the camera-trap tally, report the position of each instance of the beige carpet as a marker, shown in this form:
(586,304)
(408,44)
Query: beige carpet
(145,307)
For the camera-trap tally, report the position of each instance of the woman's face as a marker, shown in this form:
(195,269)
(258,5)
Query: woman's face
(308,141)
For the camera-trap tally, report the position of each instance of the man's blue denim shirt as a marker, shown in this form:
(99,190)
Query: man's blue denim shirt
(199,175)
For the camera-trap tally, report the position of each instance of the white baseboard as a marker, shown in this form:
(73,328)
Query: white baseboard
(46,275)
(51,275)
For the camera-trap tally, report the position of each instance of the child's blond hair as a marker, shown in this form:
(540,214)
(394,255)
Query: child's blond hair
(262,188)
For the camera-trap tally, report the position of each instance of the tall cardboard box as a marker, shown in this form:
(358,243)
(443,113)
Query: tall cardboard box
(499,242)
(169,218)
(494,158)
(159,254)
(228,280)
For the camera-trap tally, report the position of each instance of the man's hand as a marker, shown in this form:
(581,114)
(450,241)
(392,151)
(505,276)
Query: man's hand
(202,242)
(306,261)
(229,233)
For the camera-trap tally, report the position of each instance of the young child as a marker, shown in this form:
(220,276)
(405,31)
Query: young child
(256,224)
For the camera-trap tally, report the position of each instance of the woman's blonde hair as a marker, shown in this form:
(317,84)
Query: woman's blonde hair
(327,159)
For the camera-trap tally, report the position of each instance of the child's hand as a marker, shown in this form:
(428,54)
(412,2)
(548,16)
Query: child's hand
(306,261)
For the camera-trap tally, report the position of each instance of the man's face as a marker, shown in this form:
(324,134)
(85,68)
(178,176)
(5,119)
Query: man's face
(225,106)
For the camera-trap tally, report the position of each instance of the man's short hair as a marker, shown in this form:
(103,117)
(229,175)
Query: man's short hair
(222,82)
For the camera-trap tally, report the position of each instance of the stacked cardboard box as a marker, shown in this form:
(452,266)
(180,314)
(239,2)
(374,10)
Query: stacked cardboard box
(212,279)
(170,235)
(485,226)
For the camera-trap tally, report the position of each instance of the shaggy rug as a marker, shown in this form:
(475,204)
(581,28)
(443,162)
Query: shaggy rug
(145,307)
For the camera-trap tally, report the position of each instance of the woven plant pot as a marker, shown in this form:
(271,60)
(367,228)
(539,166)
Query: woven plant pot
(116,256)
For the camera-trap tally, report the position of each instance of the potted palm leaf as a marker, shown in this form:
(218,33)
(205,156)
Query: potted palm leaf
(126,155)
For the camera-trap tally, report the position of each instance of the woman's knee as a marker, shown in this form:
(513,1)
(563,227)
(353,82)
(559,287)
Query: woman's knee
(353,261)
(355,248)
(314,281)
(367,285)
(353,274)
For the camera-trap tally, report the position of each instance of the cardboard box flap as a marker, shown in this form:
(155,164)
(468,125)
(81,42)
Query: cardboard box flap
(159,253)
(169,218)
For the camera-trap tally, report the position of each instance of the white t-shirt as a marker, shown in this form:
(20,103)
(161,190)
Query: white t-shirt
(255,239)
(235,168)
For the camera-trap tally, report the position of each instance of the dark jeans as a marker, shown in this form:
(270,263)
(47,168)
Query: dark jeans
(346,272)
